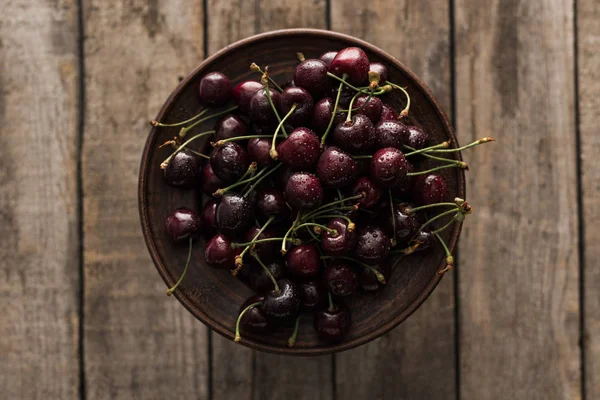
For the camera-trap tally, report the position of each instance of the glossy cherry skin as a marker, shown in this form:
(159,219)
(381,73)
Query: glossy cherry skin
(322,115)
(356,136)
(342,243)
(282,307)
(258,150)
(387,113)
(311,75)
(333,325)
(417,138)
(267,251)
(389,167)
(404,187)
(336,168)
(183,224)
(381,70)
(254,319)
(312,294)
(371,108)
(270,202)
(301,149)
(229,161)
(364,185)
(367,280)
(303,191)
(426,240)
(372,245)
(234,215)
(340,278)
(184,170)
(407,223)
(303,261)
(211,182)
(215,89)
(345,96)
(230,126)
(391,134)
(328,57)
(429,189)
(260,108)
(302,114)
(209,217)
(218,252)
(259,281)
(352,61)
(243,92)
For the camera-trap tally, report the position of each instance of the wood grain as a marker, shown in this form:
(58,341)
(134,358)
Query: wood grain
(138,342)
(417,33)
(519,264)
(39,249)
(588,35)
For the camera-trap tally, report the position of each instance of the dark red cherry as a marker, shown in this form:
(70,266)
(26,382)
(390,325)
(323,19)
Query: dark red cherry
(270,202)
(391,134)
(356,136)
(332,325)
(369,282)
(328,57)
(259,281)
(371,108)
(322,115)
(184,170)
(260,108)
(254,319)
(340,278)
(218,252)
(345,96)
(234,214)
(303,191)
(372,192)
(389,167)
(405,186)
(303,261)
(312,75)
(267,251)
(230,126)
(336,168)
(258,150)
(417,138)
(215,89)
(302,114)
(229,161)
(429,189)
(342,243)
(312,294)
(426,240)
(282,306)
(387,113)
(381,70)
(301,149)
(407,223)
(243,92)
(209,217)
(352,61)
(372,245)
(183,224)
(210,181)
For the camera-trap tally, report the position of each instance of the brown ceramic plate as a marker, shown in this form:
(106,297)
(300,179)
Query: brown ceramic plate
(214,296)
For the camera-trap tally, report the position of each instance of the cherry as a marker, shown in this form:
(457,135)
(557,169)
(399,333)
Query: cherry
(210,181)
(429,189)
(332,324)
(230,126)
(282,304)
(209,214)
(340,278)
(371,108)
(367,279)
(389,167)
(254,319)
(406,223)
(345,96)
(381,70)
(387,113)
(184,170)
(243,92)
(351,61)
(304,105)
(322,115)
(234,214)
(259,281)
(391,134)
(340,244)
(258,150)
(336,168)
(300,151)
(426,240)
(372,245)
(270,202)
(328,57)
(218,252)
(405,186)
(312,294)
(267,251)
(372,192)
(312,76)
(356,136)
(303,191)
(260,108)
(303,261)
(230,161)
(417,138)
(215,89)
(183,224)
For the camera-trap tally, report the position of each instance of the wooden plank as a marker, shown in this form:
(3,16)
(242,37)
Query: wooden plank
(422,348)
(519,264)
(39,249)
(138,342)
(235,369)
(588,38)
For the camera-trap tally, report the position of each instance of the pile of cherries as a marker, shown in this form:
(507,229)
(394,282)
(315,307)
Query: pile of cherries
(312,188)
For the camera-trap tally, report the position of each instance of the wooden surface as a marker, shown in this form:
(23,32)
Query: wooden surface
(525,72)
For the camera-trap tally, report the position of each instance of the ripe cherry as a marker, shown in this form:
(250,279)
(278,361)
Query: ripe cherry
(312,75)
(372,245)
(234,214)
(300,151)
(406,223)
(356,136)
(215,89)
(298,96)
(371,191)
(243,92)
(218,252)
(230,126)
(230,161)
(258,150)
(387,113)
(391,134)
(260,108)
(340,278)
(184,170)
(426,240)
(270,202)
(367,279)
(303,261)
(211,182)
(303,191)
(351,61)
(429,189)
(281,305)
(259,281)
(322,115)
(183,224)
(389,167)
(332,324)
(209,217)
(254,319)
(381,70)
(417,138)
(343,242)
(267,251)
(336,168)
(328,57)
(312,294)
(371,108)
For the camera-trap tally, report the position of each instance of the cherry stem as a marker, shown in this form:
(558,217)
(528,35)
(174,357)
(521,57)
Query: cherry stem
(300,56)
(187,263)
(250,171)
(362,157)
(475,143)
(164,164)
(335,107)
(277,239)
(329,210)
(238,337)
(351,225)
(331,306)
(349,116)
(432,170)
(285,237)
(239,260)
(441,215)
(378,274)
(256,68)
(404,112)
(235,138)
(259,178)
(407,250)
(425,207)
(265,82)
(273,151)
(187,121)
(333,232)
(393,240)
(449,258)
(292,339)
(185,130)
(343,80)
(458,163)
(199,154)
(315,237)
(269,274)
(443,228)
(333,203)
(443,145)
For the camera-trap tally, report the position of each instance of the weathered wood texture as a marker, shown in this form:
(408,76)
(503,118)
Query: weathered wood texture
(138,342)
(39,267)
(519,309)
(239,372)
(418,34)
(588,35)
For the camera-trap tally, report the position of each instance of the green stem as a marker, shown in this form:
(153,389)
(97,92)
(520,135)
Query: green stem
(432,170)
(235,138)
(292,339)
(187,263)
(343,81)
(425,207)
(443,228)
(250,171)
(164,164)
(449,258)
(258,69)
(273,151)
(328,210)
(458,163)
(475,143)
(333,203)
(335,107)
(283,244)
(199,154)
(260,179)
(185,130)
(239,260)
(393,241)
(265,84)
(276,239)
(404,112)
(195,117)
(348,220)
(349,116)
(331,306)
(238,337)
(378,274)
(444,145)
(429,221)
(269,274)
(305,224)
(362,157)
